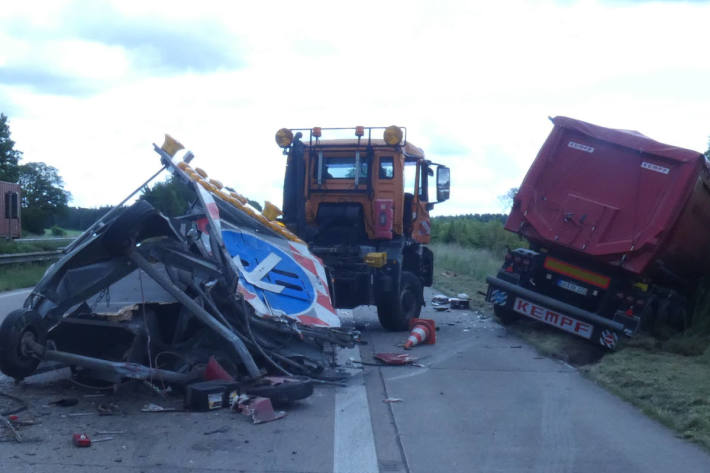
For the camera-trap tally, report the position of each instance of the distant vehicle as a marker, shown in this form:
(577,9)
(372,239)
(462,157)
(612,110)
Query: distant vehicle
(10,225)
(362,205)
(619,231)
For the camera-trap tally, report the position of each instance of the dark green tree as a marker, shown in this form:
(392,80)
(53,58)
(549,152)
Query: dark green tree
(43,196)
(172,197)
(9,156)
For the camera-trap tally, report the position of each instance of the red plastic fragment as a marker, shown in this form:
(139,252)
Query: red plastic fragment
(81,440)
(395,358)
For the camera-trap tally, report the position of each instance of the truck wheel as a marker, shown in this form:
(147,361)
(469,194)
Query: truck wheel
(505,315)
(20,325)
(396,310)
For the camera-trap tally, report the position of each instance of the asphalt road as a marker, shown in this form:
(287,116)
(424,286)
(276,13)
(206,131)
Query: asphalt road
(483,401)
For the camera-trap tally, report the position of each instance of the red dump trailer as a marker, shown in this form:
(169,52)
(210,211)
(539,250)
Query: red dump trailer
(619,230)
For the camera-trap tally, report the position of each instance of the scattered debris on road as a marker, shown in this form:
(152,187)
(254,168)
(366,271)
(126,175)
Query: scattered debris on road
(221,292)
(258,408)
(395,359)
(391,400)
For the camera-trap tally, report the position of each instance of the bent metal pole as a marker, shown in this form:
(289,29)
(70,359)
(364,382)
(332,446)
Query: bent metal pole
(198,311)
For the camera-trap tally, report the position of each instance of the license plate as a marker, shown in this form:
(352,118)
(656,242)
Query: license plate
(572,287)
(550,317)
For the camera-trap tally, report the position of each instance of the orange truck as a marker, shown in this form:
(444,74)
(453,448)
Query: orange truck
(362,204)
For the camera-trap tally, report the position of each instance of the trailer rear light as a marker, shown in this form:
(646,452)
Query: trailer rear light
(566,269)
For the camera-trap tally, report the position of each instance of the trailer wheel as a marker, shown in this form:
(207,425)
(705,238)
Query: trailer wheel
(396,310)
(505,315)
(20,325)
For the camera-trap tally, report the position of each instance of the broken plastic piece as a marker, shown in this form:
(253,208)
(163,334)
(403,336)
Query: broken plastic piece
(260,410)
(214,371)
(440,302)
(395,358)
(81,440)
(150,407)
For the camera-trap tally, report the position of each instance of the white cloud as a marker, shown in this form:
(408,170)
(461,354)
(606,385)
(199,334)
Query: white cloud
(474,83)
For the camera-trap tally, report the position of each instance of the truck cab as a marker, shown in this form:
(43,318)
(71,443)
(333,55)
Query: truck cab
(362,204)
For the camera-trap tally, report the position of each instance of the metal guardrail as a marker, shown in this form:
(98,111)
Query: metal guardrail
(30,257)
(45,239)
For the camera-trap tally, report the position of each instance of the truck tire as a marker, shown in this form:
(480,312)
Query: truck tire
(396,310)
(18,325)
(505,315)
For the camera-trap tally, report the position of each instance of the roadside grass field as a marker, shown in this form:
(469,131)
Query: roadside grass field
(668,380)
(18,276)
(458,269)
(12,246)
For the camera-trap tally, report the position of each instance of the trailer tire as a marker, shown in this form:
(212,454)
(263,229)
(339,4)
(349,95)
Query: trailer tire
(505,315)
(17,325)
(395,310)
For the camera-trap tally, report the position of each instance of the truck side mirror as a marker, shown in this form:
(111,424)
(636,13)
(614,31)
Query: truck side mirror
(443,179)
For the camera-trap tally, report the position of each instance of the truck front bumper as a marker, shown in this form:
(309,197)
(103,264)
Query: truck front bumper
(559,314)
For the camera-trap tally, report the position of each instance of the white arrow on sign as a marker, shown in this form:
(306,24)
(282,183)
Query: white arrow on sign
(255,277)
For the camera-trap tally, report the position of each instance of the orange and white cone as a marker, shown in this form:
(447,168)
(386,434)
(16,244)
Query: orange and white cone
(421,331)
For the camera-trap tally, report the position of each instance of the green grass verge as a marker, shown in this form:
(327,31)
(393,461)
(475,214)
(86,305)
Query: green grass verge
(66,233)
(668,380)
(18,276)
(459,269)
(670,388)
(13,246)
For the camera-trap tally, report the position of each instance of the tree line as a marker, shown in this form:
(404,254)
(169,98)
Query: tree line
(43,197)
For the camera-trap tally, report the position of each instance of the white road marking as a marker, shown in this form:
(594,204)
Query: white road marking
(354,441)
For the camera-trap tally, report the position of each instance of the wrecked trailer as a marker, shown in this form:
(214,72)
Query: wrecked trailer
(140,295)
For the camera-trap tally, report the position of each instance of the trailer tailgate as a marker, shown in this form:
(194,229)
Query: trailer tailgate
(611,194)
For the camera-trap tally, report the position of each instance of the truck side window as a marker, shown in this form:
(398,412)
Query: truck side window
(386,167)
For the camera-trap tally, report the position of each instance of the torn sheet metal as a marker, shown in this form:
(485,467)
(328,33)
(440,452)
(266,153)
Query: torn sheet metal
(142,295)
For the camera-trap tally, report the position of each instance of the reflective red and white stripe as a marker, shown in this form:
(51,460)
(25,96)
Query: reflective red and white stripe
(416,336)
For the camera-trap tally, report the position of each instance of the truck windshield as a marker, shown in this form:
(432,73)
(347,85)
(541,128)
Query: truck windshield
(342,167)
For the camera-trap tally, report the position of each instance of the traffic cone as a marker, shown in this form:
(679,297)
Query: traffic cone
(215,371)
(422,331)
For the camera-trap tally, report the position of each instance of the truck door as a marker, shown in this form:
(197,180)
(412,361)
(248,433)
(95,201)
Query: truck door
(416,192)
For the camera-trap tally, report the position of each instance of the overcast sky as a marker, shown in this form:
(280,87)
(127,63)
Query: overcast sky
(88,86)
